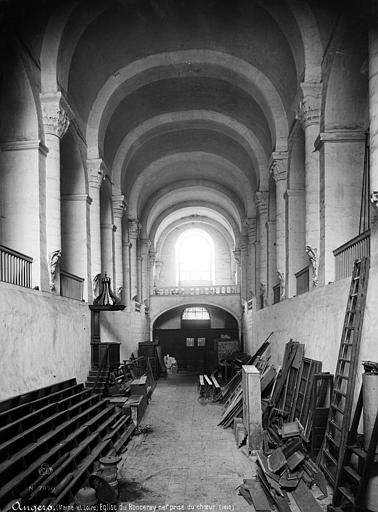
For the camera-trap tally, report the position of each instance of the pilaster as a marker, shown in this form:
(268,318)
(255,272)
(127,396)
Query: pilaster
(278,169)
(119,210)
(95,173)
(55,124)
(262,256)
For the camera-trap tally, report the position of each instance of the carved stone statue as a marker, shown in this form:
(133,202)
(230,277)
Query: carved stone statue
(281,277)
(263,294)
(96,285)
(313,256)
(53,263)
(119,292)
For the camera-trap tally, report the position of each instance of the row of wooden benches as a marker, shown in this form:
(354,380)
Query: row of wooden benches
(50,439)
(209,386)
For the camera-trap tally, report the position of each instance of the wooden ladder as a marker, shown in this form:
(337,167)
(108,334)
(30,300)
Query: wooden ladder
(350,489)
(335,440)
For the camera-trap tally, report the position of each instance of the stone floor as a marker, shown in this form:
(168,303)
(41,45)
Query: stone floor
(187,462)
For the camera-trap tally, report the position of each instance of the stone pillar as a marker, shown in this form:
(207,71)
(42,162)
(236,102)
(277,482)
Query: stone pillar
(244,264)
(278,168)
(272,279)
(23,220)
(107,250)
(373,115)
(133,238)
(55,124)
(341,158)
(126,247)
(145,286)
(119,208)
(95,177)
(250,227)
(238,262)
(151,270)
(262,209)
(76,238)
(296,258)
(309,114)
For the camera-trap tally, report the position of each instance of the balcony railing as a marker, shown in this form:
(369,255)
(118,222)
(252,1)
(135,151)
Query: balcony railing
(346,254)
(15,267)
(71,286)
(197,290)
(303,280)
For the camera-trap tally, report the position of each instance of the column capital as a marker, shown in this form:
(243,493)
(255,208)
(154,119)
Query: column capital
(145,244)
(249,225)
(134,228)
(262,201)
(119,205)
(55,115)
(95,169)
(237,256)
(309,107)
(152,255)
(278,165)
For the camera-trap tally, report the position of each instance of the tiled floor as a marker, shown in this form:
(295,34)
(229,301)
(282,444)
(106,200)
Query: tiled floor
(187,462)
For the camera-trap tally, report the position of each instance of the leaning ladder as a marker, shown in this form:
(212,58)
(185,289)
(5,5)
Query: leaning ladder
(350,489)
(335,440)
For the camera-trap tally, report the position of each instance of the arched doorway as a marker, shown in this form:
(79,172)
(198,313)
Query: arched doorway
(195,335)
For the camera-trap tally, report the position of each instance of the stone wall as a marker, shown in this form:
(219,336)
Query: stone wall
(316,319)
(128,328)
(44,339)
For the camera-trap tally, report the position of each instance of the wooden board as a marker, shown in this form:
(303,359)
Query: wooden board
(260,501)
(304,499)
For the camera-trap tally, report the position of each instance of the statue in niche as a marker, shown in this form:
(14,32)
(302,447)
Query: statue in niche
(96,285)
(119,292)
(281,278)
(313,256)
(53,264)
(263,294)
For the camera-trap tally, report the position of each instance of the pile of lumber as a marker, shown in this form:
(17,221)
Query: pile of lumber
(232,394)
(292,397)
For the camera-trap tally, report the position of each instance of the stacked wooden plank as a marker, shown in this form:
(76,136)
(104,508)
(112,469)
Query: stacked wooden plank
(292,396)
(232,395)
(50,440)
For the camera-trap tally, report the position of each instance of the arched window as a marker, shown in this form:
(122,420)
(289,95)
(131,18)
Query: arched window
(195,258)
(196,313)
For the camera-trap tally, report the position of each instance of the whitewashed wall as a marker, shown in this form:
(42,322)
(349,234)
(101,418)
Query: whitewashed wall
(43,339)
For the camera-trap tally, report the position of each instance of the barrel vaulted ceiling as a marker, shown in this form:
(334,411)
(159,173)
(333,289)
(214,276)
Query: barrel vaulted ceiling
(184,101)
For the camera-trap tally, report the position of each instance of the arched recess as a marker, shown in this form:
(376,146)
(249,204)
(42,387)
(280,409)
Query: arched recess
(75,208)
(195,343)
(107,230)
(254,82)
(204,118)
(296,258)
(22,209)
(272,279)
(342,143)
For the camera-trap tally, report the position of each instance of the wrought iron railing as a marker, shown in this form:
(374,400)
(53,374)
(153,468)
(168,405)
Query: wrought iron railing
(303,280)
(71,286)
(15,267)
(197,290)
(346,254)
